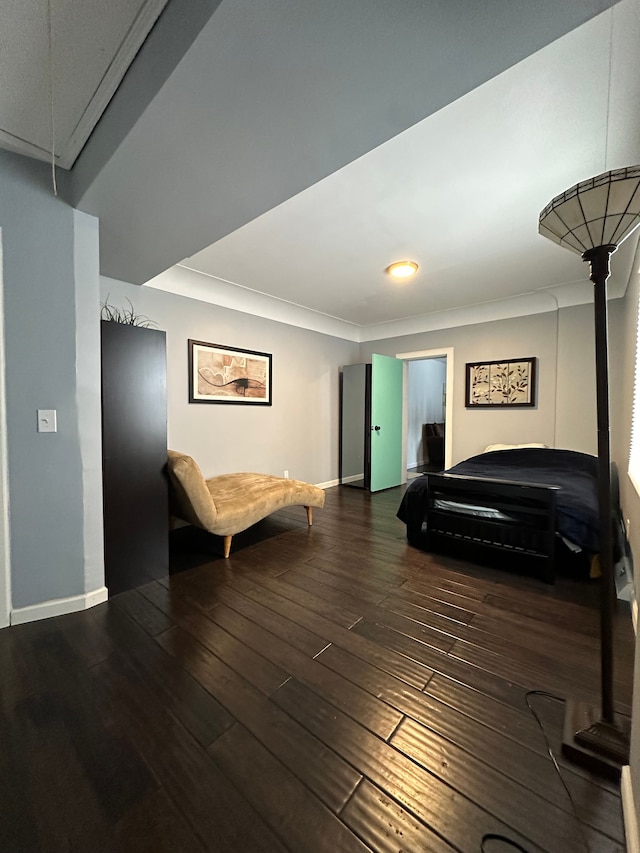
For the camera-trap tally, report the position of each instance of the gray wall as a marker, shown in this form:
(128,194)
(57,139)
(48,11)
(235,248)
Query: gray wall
(88,393)
(52,346)
(298,433)
(576,378)
(425,379)
(564,349)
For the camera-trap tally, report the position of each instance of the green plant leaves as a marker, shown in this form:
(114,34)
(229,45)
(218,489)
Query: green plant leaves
(126,316)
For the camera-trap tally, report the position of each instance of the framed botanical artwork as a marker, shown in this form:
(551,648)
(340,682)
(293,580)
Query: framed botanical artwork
(500,383)
(221,374)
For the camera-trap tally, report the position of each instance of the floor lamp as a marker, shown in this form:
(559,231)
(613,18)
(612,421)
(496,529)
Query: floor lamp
(592,219)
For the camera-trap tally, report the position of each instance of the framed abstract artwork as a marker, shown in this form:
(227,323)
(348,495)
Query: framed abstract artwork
(500,383)
(222,374)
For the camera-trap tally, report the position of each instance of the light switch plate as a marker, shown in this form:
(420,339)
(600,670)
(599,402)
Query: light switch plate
(47,420)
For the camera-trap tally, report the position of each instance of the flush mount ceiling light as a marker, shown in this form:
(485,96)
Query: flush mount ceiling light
(402,269)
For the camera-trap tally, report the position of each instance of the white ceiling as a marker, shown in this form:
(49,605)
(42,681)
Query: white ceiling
(291,150)
(459,192)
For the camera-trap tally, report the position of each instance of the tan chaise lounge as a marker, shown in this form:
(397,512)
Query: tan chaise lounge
(229,503)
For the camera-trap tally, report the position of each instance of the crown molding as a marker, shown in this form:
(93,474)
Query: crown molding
(184,281)
(192,284)
(124,56)
(139,30)
(10,142)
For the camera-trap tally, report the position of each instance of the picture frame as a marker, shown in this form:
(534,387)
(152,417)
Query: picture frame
(501,384)
(229,375)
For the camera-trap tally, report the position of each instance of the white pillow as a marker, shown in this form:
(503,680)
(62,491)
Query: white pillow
(491,447)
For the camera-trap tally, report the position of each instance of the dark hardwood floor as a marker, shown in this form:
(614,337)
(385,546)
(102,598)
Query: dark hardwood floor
(329,689)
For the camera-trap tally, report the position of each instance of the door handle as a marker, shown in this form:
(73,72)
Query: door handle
(376,428)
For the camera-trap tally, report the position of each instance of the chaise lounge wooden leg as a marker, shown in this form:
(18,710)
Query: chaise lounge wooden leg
(309,510)
(227,546)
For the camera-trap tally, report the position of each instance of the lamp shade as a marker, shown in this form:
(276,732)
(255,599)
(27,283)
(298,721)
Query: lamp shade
(602,211)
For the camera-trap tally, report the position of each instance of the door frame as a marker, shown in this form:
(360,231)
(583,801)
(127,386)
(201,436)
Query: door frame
(5,550)
(420,355)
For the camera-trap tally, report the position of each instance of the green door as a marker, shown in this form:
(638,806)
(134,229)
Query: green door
(386,422)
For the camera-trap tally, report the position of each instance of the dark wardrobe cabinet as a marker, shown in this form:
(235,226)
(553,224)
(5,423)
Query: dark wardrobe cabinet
(134,455)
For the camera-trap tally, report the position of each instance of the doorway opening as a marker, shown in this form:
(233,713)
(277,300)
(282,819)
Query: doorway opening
(428,411)
(426,419)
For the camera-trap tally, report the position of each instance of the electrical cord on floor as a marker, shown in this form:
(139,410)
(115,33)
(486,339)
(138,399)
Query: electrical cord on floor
(553,758)
(502,838)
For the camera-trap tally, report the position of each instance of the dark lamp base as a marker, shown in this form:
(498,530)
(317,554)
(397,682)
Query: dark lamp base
(597,745)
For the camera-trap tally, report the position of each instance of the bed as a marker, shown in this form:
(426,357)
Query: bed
(521,501)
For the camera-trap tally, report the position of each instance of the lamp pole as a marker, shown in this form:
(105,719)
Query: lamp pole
(592,735)
(599,261)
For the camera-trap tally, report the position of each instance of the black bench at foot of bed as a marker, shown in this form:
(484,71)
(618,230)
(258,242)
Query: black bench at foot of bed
(515,502)
(488,515)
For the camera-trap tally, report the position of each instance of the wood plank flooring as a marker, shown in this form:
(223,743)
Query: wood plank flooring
(326,689)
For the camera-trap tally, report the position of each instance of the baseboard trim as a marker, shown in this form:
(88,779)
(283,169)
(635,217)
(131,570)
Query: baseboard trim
(330,483)
(629,812)
(352,479)
(58,606)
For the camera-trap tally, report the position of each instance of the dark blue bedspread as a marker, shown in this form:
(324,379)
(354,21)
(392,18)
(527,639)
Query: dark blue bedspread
(575,474)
